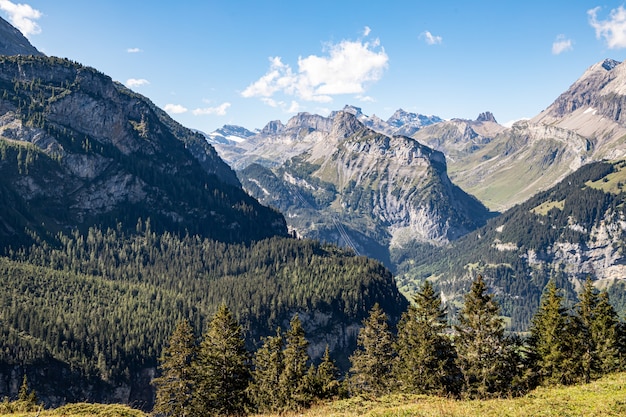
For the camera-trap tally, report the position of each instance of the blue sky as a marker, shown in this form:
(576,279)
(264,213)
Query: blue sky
(210,63)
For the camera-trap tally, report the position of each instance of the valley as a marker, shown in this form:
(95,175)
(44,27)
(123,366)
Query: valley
(117,223)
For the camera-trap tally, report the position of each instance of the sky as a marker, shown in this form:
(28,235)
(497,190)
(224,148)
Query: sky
(209,63)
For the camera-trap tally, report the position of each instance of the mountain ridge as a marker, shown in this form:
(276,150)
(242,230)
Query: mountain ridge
(13,42)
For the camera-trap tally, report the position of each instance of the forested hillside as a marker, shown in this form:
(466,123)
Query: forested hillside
(569,233)
(99,307)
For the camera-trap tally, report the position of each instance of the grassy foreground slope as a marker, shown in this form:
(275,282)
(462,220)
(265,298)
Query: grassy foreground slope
(604,397)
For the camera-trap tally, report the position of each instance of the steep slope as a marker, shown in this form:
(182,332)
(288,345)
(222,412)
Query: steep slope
(592,107)
(366,190)
(87,319)
(12,42)
(116,221)
(79,149)
(573,231)
(503,167)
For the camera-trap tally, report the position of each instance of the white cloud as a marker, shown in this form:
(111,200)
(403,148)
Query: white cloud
(366,31)
(219,110)
(134,82)
(430,38)
(561,44)
(294,107)
(22,16)
(175,109)
(367,99)
(346,69)
(133,50)
(613,30)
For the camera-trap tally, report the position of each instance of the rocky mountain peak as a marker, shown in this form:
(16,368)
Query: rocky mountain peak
(486,117)
(272,127)
(309,121)
(357,111)
(232,130)
(12,42)
(593,105)
(345,124)
(608,64)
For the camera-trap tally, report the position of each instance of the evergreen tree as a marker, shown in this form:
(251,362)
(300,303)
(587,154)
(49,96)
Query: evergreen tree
(174,388)
(598,338)
(553,340)
(294,385)
(27,398)
(222,368)
(372,361)
(326,385)
(481,347)
(425,362)
(268,367)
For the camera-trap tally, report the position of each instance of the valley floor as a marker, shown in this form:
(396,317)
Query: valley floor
(605,397)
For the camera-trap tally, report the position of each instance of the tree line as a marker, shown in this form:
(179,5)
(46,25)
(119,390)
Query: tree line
(474,358)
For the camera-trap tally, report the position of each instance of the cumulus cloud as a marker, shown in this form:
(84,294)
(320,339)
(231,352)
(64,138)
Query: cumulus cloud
(134,82)
(345,69)
(175,109)
(561,44)
(431,39)
(219,110)
(613,29)
(133,50)
(22,16)
(366,31)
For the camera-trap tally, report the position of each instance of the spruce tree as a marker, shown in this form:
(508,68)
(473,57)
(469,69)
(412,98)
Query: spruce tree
(598,338)
(268,367)
(372,361)
(481,347)
(553,340)
(174,388)
(326,385)
(606,332)
(294,385)
(222,368)
(425,362)
(26,398)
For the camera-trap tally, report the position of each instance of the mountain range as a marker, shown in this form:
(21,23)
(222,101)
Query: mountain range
(506,176)
(116,221)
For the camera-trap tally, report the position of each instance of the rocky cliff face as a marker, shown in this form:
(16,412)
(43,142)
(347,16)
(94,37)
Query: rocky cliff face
(79,149)
(592,107)
(12,42)
(366,190)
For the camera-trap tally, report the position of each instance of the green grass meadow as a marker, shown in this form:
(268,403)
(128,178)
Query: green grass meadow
(605,397)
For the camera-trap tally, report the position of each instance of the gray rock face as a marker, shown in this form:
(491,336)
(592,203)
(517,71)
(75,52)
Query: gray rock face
(348,184)
(94,149)
(12,42)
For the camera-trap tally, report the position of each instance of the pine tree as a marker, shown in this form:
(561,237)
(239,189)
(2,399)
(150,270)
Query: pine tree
(372,361)
(174,388)
(222,368)
(481,347)
(425,362)
(294,385)
(268,366)
(553,340)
